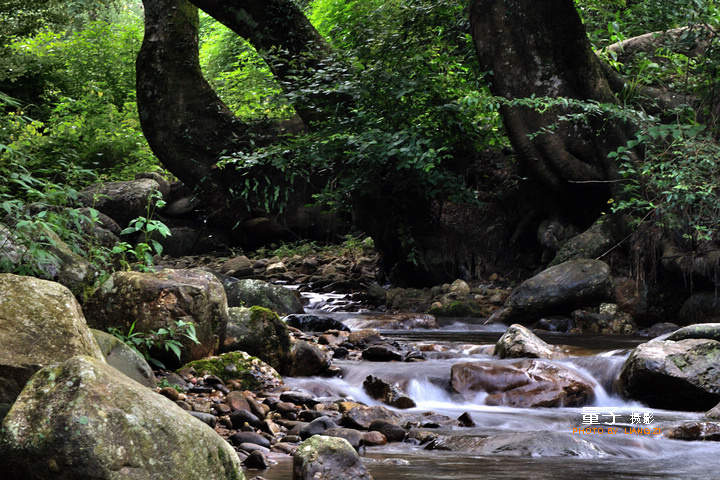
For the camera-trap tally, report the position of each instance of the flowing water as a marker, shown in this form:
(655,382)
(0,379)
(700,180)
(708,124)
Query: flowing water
(629,446)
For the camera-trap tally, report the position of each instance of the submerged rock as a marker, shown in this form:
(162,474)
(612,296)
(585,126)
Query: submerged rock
(390,394)
(521,444)
(41,323)
(84,419)
(328,458)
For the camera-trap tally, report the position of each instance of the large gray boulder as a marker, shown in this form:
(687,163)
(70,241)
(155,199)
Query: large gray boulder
(521,444)
(160,299)
(84,419)
(65,267)
(121,201)
(520,342)
(125,359)
(328,458)
(259,332)
(674,375)
(557,290)
(41,323)
(525,383)
(250,292)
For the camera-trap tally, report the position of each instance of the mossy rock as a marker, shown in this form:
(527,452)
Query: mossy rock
(251,372)
(259,332)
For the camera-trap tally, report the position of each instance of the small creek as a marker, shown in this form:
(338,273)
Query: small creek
(627,454)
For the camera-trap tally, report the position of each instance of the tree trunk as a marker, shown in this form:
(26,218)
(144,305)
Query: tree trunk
(540,49)
(186,124)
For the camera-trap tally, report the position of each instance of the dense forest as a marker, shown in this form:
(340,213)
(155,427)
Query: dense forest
(463,138)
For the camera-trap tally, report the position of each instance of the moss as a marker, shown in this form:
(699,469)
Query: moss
(251,372)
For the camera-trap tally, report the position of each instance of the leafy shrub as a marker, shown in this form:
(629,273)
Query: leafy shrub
(164,339)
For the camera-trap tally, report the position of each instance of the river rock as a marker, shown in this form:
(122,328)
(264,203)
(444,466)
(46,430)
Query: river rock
(307,359)
(361,416)
(125,359)
(521,444)
(387,393)
(315,323)
(259,332)
(250,372)
(389,429)
(395,321)
(157,300)
(705,431)
(316,427)
(84,419)
(674,375)
(592,243)
(41,323)
(709,331)
(382,353)
(121,201)
(703,307)
(328,458)
(520,342)
(354,437)
(556,291)
(250,292)
(526,383)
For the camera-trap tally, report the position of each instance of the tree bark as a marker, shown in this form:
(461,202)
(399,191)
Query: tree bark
(540,49)
(186,124)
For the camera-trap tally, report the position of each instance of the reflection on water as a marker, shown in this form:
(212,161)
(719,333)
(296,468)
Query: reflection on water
(622,454)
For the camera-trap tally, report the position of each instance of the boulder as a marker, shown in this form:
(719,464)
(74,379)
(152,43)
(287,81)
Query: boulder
(557,290)
(152,301)
(249,293)
(251,372)
(307,359)
(519,342)
(525,383)
(674,375)
(607,320)
(67,267)
(592,243)
(389,394)
(703,307)
(328,458)
(84,419)
(125,359)
(41,323)
(259,332)
(121,201)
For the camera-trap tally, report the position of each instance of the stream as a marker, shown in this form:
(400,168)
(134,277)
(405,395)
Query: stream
(625,433)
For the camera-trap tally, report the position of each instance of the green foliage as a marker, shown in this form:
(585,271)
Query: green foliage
(237,73)
(676,186)
(80,88)
(352,246)
(147,227)
(166,339)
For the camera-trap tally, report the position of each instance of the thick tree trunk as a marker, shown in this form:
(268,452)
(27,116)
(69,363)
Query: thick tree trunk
(186,124)
(540,49)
